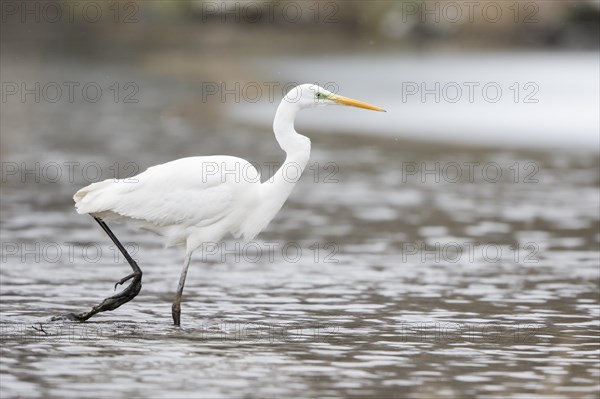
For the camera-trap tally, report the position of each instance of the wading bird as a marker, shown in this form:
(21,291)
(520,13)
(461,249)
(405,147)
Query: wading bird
(188,207)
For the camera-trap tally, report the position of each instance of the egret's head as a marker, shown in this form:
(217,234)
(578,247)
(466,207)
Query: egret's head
(310,96)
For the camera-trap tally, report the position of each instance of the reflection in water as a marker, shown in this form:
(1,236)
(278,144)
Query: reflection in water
(378,278)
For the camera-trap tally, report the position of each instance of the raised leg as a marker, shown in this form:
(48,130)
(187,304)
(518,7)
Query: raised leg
(176,308)
(113,302)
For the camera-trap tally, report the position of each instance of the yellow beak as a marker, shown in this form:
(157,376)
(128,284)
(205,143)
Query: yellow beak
(355,103)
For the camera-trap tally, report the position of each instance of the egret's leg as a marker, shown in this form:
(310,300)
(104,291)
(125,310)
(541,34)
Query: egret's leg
(176,308)
(113,302)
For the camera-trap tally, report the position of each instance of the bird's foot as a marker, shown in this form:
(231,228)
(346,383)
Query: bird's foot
(126,278)
(66,317)
(110,303)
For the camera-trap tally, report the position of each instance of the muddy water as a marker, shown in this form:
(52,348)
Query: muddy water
(396,269)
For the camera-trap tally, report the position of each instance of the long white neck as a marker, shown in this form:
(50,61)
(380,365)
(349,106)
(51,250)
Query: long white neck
(297,150)
(295,145)
(276,190)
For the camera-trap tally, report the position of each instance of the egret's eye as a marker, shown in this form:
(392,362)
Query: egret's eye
(319,95)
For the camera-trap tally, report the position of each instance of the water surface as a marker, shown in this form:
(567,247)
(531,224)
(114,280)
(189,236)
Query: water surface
(408,284)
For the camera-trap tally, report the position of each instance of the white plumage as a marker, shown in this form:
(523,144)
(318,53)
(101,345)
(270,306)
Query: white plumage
(199,200)
(188,197)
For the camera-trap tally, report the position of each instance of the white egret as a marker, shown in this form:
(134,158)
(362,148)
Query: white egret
(188,206)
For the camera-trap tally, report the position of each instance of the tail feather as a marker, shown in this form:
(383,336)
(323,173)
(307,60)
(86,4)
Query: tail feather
(93,198)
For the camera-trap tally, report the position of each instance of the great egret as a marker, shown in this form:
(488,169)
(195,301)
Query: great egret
(189,207)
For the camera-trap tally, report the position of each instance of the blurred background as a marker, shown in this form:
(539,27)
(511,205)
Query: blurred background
(490,141)
(512,74)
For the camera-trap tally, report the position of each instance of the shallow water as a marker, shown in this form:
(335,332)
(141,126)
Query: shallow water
(378,278)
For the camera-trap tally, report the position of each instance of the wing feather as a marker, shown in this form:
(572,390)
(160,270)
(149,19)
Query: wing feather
(178,193)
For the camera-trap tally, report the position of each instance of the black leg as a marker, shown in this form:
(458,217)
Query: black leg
(113,302)
(176,308)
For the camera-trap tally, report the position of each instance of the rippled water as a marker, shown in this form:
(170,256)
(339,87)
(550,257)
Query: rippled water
(408,283)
